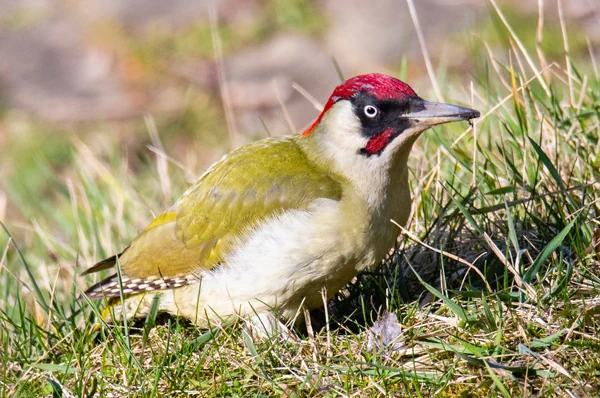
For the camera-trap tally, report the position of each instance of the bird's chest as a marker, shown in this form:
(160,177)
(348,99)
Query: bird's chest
(381,232)
(359,237)
(388,206)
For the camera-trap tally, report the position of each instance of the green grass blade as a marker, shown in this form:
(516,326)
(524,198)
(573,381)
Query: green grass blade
(468,216)
(547,163)
(454,307)
(36,288)
(547,251)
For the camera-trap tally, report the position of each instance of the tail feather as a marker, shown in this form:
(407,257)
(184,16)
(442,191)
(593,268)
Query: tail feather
(104,264)
(110,287)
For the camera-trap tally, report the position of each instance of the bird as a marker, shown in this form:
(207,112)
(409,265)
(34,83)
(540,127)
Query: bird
(276,226)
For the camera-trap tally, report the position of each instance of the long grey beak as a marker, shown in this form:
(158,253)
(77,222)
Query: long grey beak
(431,113)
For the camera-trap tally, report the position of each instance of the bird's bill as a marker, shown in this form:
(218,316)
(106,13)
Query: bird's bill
(427,113)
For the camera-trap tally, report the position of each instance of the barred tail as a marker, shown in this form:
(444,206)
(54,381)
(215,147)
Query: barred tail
(110,287)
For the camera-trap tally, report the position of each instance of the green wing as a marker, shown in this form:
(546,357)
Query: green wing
(234,195)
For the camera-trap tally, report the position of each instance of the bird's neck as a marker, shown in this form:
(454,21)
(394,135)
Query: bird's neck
(379,183)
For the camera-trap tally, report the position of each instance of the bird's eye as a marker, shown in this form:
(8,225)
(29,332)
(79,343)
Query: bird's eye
(371,111)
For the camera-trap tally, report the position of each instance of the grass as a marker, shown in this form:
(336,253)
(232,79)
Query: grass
(503,238)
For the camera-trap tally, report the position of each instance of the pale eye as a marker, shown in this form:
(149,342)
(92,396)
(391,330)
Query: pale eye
(371,111)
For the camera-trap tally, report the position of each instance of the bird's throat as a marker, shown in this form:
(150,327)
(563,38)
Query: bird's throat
(378,143)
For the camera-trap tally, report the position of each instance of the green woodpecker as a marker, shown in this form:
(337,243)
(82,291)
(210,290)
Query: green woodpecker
(274,223)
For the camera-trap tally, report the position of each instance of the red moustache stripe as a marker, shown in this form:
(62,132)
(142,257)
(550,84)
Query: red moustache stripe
(379,142)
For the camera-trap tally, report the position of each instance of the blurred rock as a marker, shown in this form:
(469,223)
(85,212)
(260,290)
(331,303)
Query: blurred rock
(366,37)
(48,69)
(256,74)
(586,13)
(9,6)
(140,15)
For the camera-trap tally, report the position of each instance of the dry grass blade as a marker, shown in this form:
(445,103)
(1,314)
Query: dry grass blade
(161,158)
(424,51)
(316,104)
(528,290)
(522,48)
(500,103)
(284,109)
(444,253)
(224,87)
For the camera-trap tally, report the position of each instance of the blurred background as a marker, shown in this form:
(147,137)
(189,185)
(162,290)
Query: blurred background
(119,81)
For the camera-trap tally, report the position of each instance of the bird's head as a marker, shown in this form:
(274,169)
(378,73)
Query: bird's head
(370,120)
